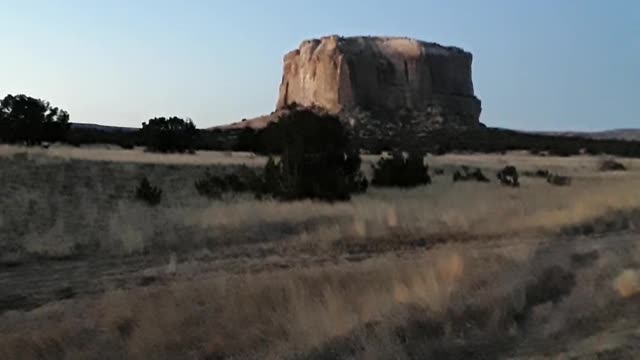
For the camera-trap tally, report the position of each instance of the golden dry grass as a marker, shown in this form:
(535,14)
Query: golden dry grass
(628,283)
(113,153)
(55,206)
(465,293)
(358,280)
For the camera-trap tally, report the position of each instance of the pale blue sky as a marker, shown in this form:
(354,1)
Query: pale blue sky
(539,65)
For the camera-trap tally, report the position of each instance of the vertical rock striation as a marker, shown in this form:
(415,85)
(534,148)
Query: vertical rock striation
(382,85)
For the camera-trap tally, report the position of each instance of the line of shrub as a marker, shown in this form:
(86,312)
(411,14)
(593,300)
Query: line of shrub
(24,119)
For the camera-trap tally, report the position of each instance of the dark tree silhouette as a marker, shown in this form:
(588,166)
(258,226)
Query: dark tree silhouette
(317,160)
(24,119)
(169,134)
(147,193)
(401,171)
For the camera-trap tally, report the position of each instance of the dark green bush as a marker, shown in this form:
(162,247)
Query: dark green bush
(24,119)
(317,160)
(540,173)
(401,171)
(169,135)
(467,174)
(438,171)
(611,165)
(242,180)
(147,193)
(508,176)
(558,180)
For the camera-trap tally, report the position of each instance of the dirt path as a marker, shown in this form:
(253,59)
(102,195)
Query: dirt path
(31,285)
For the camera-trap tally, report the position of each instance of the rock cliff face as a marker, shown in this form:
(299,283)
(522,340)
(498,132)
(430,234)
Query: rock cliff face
(381,82)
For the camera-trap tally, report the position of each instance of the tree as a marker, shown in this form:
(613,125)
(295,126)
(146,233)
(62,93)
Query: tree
(169,134)
(317,160)
(401,171)
(246,140)
(31,121)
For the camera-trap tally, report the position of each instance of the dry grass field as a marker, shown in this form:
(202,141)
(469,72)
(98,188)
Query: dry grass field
(446,271)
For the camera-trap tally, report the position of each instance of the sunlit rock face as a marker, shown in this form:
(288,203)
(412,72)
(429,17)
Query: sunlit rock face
(381,85)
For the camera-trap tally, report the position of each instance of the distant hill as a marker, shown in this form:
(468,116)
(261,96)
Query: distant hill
(105,128)
(616,134)
(255,123)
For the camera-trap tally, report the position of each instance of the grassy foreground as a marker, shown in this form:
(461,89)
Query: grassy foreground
(465,270)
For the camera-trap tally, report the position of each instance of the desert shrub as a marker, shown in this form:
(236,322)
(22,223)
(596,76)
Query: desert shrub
(24,119)
(211,186)
(495,140)
(558,180)
(467,174)
(147,193)
(317,160)
(508,176)
(169,134)
(127,145)
(583,259)
(401,171)
(550,286)
(553,284)
(246,140)
(541,173)
(611,165)
(242,180)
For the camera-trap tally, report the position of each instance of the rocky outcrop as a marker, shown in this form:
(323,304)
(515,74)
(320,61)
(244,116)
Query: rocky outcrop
(389,90)
(381,82)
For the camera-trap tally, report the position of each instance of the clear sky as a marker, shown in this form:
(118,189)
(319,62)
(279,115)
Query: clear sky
(538,65)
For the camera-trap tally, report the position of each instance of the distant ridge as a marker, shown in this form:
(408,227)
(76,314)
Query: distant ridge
(615,134)
(105,128)
(262,121)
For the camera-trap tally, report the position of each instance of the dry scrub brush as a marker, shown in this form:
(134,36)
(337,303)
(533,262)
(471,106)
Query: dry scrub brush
(56,208)
(457,301)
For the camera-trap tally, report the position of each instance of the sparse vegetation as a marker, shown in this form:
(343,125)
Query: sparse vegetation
(178,135)
(31,121)
(240,180)
(558,180)
(443,271)
(438,171)
(508,176)
(147,193)
(169,134)
(317,160)
(467,174)
(611,165)
(541,173)
(401,171)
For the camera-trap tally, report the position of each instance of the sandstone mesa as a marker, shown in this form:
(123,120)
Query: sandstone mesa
(379,85)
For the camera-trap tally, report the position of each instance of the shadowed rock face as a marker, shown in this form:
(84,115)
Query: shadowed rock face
(383,82)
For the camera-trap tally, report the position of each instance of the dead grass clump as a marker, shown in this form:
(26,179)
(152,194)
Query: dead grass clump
(584,259)
(240,180)
(611,165)
(540,173)
(282,312)
(553,284)
(558,180)
(627,284)
(467,174)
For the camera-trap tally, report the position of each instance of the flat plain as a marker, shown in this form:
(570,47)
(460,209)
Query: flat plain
(445,271)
